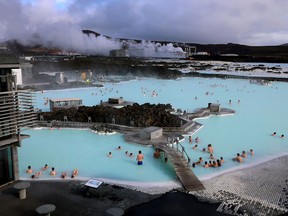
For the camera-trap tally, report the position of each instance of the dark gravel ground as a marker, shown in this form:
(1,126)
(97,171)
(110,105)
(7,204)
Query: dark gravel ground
(73,198)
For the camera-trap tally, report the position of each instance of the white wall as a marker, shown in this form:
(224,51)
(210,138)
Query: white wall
(18,73)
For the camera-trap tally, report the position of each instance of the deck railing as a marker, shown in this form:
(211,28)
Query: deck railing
(180,148)
(16,112)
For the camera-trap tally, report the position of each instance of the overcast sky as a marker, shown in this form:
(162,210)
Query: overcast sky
(250,22)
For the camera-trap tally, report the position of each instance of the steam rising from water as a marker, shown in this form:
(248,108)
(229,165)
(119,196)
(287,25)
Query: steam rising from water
(153,49)
(81,43)
(38,22)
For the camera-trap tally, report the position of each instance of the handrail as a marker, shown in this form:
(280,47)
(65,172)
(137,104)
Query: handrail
(182,150)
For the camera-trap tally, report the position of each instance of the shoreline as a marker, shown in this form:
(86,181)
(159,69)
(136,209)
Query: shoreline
(143,185)
(161,187)
(246,166)
(264,184)
(227,69)
(256,190)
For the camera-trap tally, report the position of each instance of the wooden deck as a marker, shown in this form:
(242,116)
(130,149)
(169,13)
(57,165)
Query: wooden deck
(185,175)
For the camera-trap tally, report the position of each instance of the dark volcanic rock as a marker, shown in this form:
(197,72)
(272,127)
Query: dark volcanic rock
(142,115)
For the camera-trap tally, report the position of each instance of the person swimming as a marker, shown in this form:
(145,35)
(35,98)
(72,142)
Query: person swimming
(206,165)
(244,155)
(210,149)
(45,167)
(156,153)
(74,173)
(119,148)
(238,158)
(214,164)
(273,134)
(199,161)
(210,163)
(53,172)
(221,160)
(218,162)
(63,175)
(36,175)
(29,170)
(194,147)
(252,152)
(109,154)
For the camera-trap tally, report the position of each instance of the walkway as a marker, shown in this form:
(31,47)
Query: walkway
(184,173)
(181,165)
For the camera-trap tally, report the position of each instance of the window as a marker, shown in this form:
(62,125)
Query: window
(6,165)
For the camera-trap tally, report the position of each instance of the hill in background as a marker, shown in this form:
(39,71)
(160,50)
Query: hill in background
(238,52)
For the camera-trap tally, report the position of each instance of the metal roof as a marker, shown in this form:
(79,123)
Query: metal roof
(65,99)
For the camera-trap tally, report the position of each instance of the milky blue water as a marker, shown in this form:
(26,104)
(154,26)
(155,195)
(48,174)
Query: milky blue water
(261,111)
(67,149)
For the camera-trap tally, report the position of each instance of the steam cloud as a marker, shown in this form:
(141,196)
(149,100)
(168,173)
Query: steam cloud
(41,24)
(250,22)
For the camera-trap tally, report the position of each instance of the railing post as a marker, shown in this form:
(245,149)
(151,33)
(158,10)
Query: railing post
(189,160)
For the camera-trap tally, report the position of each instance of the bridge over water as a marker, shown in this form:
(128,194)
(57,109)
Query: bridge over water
(181,165)
(176,154)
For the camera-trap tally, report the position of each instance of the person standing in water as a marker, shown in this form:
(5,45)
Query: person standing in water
(140,158)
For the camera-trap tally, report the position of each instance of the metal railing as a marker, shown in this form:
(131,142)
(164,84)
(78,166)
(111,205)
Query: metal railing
(180,148)
(16,112)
